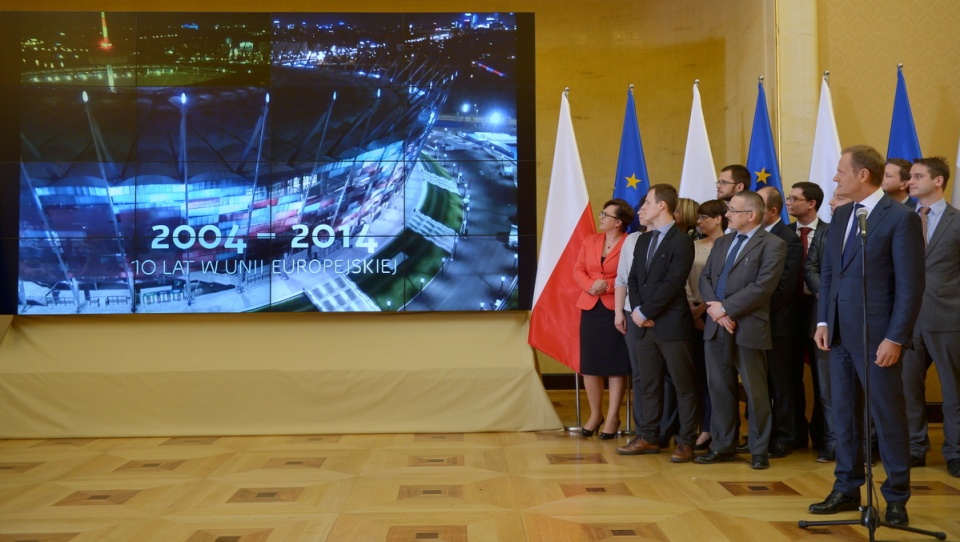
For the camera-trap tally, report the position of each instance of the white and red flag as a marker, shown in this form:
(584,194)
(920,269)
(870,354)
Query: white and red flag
(555,318)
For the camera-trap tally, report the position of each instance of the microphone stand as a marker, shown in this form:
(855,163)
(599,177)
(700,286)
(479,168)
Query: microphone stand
(869,514)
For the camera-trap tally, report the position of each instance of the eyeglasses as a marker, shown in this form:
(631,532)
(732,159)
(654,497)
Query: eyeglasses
(706,217)
(794,199)
(603,215)
(721,182)
(732,210)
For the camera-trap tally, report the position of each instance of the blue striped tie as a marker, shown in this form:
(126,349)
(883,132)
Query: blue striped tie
(731,257)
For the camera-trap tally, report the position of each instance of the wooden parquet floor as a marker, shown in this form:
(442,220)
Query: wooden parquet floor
(550,486)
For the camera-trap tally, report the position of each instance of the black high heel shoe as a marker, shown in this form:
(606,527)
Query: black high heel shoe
(587,433)
(705,445)
(610,436)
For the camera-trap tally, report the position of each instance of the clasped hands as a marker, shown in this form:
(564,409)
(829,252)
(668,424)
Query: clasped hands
(716,312)
(599,288)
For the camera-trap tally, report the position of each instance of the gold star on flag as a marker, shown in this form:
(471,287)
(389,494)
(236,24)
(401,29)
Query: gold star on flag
(762,175)
(632,181)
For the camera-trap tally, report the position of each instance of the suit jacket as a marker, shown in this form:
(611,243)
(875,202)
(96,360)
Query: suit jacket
(783,303)
(750,284)
(660,292)
(589,269)
(895,278)
(911,203)
(811,265)
(941,297)
(811,269)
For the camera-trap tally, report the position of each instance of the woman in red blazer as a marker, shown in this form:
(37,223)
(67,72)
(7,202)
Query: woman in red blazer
(603,349)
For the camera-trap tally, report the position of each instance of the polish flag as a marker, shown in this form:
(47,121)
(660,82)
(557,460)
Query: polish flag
(555,318)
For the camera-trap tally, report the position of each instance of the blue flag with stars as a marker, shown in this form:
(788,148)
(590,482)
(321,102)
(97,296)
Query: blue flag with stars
(762,156)
(631,183)
(903,133)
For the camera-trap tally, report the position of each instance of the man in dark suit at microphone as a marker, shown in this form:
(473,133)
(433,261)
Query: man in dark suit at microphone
(891,262)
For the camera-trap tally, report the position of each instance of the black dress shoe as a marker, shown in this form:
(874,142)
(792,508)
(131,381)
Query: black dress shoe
(714,456)
(836,502)
(953,467)
(743,448)
(918,461)
(780,449)
(896,514)
(827,456)
(759,462)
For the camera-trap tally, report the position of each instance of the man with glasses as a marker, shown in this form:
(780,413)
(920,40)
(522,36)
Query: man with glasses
(737,283)
(936,337)
(732,179)
(804,203)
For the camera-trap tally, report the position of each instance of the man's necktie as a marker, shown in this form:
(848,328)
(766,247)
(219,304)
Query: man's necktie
(848,248)
(653,247)
(924,221)
(731,257)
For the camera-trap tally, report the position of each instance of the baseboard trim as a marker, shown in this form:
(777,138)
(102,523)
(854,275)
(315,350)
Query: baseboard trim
(564,381)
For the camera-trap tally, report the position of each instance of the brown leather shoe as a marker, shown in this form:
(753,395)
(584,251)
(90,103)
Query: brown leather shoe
(683,454)
(638,446)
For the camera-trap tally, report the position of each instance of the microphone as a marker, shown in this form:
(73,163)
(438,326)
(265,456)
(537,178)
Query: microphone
(862,221)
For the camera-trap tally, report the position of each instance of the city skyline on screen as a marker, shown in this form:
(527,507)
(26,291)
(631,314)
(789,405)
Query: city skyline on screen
(244,162)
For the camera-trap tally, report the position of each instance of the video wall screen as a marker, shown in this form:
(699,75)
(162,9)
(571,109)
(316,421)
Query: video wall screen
(245,162)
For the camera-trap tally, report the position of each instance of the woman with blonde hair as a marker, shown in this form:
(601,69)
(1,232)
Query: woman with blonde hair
(686,217)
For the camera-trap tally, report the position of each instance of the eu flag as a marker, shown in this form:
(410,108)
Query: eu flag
(762,156)
(903,133)
(631,183)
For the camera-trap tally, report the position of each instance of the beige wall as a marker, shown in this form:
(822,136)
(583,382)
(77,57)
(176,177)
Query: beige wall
(861,42)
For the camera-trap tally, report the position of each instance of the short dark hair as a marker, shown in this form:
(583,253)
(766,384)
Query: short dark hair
(753,202)
(624,213)
(740,174)
(904,167)
(866,157)
(938,167)
(713,209)
(811,191)
(667,194)
(774,200)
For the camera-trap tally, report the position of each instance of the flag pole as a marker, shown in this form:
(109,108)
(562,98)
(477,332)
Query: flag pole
(576,375)
(629,393)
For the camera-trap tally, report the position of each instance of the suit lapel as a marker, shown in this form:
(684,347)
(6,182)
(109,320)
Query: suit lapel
(663,242)
(949,214)
(874,219)
(751,243)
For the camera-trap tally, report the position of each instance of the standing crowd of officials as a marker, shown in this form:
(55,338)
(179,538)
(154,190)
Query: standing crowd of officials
(710,298)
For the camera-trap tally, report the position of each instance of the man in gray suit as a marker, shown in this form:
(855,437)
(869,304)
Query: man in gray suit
(738,280)
(936,335)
